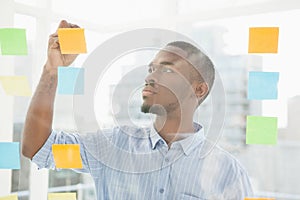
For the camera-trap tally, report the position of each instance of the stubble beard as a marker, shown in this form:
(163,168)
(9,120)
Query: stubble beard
(158,109)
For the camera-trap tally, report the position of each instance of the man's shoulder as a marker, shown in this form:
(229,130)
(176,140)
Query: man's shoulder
(213,153)
(225,158)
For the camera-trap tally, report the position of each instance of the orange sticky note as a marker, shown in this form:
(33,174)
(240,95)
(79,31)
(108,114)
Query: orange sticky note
(72,40)
(67,156)
(62,196)
(248,198)
(263,40)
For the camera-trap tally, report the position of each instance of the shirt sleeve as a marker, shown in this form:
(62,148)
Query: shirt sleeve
(240,187)
(44,157)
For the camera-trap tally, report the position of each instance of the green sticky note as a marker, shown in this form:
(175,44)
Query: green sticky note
(261,130)
(13,41)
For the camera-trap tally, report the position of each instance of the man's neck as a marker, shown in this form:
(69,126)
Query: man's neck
(172,128)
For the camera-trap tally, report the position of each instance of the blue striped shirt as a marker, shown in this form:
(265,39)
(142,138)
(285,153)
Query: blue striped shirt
(136,163)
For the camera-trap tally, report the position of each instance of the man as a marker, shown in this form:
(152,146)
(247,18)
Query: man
(161,162)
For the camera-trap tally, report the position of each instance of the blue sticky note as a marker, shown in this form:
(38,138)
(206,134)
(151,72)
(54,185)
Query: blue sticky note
(70,80)
(9,155)
(263,85)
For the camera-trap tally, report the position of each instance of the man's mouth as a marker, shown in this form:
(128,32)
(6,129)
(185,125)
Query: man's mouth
(148,92)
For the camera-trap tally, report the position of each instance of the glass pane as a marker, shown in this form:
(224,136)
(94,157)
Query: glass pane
(108,12)
(27,2)
(23,66)
(191,6)
(273,169)
(27,22)
(20,181)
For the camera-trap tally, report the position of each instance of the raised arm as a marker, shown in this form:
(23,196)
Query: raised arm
(39,117)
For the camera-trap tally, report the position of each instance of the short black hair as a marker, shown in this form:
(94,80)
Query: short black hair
(201,62)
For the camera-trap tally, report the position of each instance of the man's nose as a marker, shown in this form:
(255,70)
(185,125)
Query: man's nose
(150,82)
(151,79)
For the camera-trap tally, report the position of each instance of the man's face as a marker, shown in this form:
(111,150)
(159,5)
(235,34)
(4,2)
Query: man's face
(167,84)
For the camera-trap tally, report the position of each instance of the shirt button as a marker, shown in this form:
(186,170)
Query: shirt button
(161,190)
(167,159)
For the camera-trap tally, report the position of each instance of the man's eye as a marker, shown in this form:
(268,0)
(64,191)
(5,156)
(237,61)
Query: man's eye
(167,70)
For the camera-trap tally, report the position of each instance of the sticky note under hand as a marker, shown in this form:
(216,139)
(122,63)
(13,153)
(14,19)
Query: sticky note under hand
(13,41)
(15,85)
(9,155)
(10,197)
(62,196)
(263,40)
(261,130)
(67,156)
(263,85)
(70,80)
(72,40)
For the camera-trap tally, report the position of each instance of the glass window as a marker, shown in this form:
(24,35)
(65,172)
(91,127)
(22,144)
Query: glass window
(226,40)
(27,2)
(273,169)
(186,7)
(108,12)
(23,67)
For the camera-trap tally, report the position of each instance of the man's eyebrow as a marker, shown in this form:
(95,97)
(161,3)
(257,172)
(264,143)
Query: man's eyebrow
(161,63)
(166,63)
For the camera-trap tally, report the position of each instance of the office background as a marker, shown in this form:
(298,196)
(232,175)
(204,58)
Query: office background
(219,27)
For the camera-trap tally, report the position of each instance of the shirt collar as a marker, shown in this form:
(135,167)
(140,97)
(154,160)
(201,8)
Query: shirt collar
(155,137)
(191,142)
(188,144)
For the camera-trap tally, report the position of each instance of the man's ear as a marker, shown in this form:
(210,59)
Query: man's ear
(200,89)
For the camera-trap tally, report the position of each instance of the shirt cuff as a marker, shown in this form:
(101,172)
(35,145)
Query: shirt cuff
(43,158)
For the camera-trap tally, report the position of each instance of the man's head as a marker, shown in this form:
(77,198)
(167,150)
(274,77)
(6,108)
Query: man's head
(180,77)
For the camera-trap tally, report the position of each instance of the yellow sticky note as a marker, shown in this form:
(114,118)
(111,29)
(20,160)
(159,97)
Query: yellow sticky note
(248,198)
(10,197)
(15,85)
(263,40)
(72,40)
(62,196)
(67,156)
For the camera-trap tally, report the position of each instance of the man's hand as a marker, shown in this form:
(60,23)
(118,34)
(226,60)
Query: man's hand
(55,57)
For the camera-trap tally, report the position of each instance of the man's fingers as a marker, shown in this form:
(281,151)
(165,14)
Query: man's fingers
(53,38)
(73,25)
(53,42)
(53,35)
(63,24)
